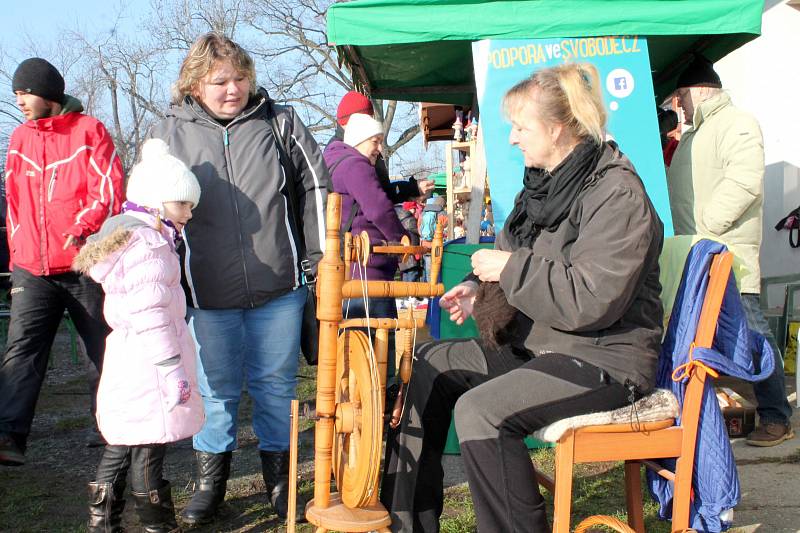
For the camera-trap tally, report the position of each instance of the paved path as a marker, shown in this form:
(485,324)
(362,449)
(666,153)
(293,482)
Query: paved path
(770,483)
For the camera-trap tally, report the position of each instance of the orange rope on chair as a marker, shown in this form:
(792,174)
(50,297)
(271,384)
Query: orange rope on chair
(685,370)
(602,520)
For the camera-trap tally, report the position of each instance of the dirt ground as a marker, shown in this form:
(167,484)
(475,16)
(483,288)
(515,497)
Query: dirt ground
(49,492)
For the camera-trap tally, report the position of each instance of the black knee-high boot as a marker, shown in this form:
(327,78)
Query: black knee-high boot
(275,468)
(213,470)
(107,492)
(106,503)
(156,511)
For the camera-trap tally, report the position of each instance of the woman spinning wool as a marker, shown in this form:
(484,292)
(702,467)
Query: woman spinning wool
(575,274)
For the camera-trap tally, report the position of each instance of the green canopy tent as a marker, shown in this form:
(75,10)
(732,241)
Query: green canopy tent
(420,50)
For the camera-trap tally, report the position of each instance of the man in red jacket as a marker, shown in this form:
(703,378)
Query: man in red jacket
(63,179)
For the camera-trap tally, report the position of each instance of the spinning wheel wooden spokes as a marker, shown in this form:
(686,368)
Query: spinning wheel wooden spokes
(358,424)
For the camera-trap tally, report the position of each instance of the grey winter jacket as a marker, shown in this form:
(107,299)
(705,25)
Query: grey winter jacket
(242,248)
(590,289)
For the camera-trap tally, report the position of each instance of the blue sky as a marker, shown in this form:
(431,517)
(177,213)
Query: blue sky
(42,19)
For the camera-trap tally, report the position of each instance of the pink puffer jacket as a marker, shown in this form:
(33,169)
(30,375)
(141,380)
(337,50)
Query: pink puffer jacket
(146,308)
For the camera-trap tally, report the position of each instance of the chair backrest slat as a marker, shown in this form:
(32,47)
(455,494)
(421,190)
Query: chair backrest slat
(704,336)
(712,302)
(693,398)
(706,329)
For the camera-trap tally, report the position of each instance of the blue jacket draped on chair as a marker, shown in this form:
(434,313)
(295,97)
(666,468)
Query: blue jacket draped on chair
(734,352)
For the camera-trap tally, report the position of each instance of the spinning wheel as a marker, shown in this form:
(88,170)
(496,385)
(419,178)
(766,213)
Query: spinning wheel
(358,425)
(351,377)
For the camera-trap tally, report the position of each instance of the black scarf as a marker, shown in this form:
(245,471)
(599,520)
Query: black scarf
(547,197)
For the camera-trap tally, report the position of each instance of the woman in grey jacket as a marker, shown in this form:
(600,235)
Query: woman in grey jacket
(575,274)
(243,261)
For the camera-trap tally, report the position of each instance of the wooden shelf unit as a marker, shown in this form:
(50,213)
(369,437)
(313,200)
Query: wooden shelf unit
(465,189)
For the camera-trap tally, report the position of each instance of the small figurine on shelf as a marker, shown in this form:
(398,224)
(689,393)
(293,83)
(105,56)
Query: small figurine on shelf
(458,177)
(458,229)
(472,129)
(466,165)
(458,126)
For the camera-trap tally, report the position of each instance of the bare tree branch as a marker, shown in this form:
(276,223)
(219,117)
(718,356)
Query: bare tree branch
(301,63)
(123,78)
(404,138)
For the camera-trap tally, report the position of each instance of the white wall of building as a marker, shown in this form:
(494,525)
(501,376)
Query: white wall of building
(763,78)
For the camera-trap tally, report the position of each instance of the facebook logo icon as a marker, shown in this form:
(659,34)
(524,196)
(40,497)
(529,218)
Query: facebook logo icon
(620,83)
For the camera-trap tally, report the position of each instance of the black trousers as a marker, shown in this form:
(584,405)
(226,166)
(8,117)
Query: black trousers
(37,306)
(145,462)
(500,397)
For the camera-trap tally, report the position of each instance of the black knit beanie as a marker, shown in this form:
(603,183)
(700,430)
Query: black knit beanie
(37,76)
(699,73)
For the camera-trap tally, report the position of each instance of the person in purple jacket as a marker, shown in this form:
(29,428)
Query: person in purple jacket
(366,207)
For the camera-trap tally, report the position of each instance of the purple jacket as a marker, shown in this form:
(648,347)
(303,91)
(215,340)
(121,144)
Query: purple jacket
(356,180)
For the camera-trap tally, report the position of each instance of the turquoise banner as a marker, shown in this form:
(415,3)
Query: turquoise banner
(624,67)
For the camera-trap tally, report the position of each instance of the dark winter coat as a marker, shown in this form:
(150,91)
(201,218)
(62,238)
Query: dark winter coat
(590,288)
(409,223)
(242,248)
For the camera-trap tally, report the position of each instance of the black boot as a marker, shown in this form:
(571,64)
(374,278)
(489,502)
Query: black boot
(155,510)
(12,453)
(213,470)
(106,503)
(275,468)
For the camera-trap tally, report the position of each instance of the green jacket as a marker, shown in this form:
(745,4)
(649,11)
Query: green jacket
(716,183)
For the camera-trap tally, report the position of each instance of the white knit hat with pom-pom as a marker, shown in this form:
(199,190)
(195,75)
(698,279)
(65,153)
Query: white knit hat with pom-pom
(361,127)
(161,177)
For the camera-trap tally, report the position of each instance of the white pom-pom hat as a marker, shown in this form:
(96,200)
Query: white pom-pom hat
(361,127)
(161,177)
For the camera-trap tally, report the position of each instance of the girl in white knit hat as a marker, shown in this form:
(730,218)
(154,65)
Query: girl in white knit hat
(148,388)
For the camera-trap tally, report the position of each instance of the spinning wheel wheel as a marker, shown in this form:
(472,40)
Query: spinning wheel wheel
(358,425)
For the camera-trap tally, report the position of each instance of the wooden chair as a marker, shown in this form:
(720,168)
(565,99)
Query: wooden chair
(635,443)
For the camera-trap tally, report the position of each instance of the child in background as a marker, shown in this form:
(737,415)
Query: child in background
(411,269)
(433,212)
(148,387)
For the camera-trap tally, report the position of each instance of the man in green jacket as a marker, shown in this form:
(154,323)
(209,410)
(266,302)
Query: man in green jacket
(716,183)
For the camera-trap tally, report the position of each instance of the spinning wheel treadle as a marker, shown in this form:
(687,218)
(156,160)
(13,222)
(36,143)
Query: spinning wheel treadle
(359,421)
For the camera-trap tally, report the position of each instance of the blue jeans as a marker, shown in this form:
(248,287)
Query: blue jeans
(259,345)
(770,393)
